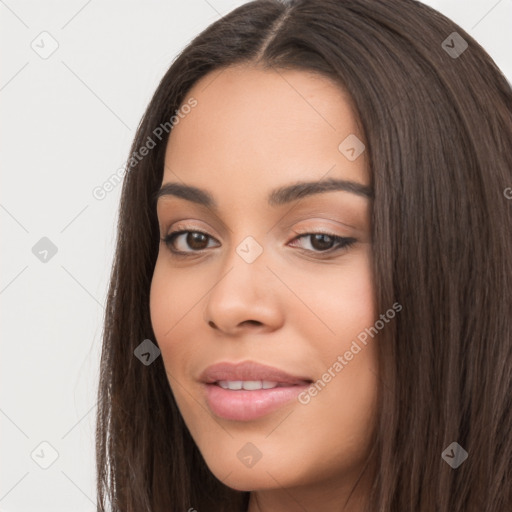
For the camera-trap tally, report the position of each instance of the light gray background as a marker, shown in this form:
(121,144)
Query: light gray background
(67,122)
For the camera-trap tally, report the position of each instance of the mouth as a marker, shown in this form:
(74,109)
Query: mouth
(250,373)
(253,385)
(248,391)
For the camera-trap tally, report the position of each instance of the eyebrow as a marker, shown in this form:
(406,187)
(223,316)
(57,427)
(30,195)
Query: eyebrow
(277,197)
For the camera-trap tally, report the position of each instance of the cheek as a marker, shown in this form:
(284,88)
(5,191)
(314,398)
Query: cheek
(167,300)
(161,302)
(335,304)
(172,295)
(353,300)
(342,309)
(175,311)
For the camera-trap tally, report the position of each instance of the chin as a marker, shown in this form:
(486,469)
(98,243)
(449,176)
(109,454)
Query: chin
(246,480)
(261,476)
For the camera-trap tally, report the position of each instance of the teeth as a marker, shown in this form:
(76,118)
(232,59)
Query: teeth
(248,385)
(232,384)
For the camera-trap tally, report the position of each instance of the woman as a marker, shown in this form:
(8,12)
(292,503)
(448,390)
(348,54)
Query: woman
(310,303)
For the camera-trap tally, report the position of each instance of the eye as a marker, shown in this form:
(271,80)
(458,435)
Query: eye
(325,242)
(198,241)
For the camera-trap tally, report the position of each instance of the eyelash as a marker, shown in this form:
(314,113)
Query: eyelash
(342,243)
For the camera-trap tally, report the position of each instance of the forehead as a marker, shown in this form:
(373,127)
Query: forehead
(254,126)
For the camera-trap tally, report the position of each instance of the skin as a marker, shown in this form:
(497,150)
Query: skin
(252,131)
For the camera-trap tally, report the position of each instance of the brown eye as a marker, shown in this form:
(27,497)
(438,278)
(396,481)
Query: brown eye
(321,242)
(191,241)
(325,242)
(196,240)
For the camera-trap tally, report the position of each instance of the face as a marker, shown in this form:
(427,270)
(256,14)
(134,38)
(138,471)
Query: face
(282,280)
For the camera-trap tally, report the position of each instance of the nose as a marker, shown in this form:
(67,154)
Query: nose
(245,296)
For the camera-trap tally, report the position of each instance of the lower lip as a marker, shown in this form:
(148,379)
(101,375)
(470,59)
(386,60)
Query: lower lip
(242,405)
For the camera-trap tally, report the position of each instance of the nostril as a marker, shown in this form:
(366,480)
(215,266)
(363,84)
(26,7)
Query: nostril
(252,322)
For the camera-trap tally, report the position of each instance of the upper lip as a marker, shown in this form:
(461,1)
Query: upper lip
(249,370)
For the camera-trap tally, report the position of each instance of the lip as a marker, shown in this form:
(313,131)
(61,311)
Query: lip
(250,370)
(243,405)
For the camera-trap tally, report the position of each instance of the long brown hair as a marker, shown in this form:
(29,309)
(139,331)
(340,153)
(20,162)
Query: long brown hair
(437,120)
